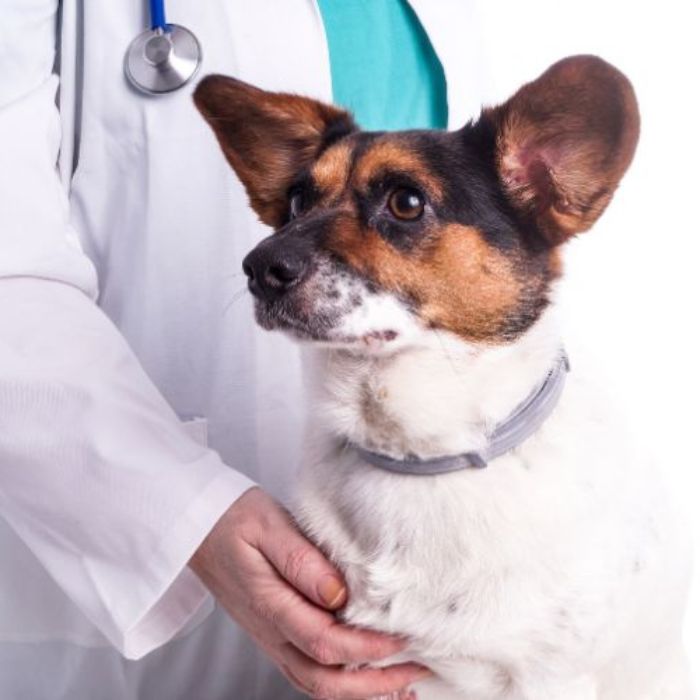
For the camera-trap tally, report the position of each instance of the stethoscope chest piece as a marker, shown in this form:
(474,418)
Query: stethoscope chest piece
(162,59)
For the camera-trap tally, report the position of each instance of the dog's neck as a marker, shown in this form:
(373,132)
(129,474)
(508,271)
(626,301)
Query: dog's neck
(433,400)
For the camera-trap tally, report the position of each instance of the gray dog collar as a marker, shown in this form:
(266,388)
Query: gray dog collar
(526,419)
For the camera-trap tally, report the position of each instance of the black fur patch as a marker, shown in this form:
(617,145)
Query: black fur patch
(338,130)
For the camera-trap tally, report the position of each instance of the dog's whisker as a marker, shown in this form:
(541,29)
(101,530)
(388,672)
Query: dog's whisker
(240,294)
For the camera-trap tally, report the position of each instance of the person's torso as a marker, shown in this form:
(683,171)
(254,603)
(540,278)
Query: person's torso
(167,225)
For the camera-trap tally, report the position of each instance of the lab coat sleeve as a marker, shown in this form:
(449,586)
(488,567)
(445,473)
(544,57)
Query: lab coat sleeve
(97,475)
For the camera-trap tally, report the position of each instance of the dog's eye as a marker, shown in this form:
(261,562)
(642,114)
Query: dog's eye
(406,203)
(296,205)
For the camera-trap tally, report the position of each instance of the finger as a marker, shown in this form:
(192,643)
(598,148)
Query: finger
(321,637)
(404,694)
(300,563)
(342,684)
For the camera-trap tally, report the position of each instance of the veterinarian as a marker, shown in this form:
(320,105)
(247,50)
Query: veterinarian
(148,429)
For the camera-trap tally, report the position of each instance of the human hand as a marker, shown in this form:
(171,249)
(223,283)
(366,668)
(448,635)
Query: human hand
(279,587)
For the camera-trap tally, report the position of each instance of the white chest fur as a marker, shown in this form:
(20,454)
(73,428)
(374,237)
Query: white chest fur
(533,578)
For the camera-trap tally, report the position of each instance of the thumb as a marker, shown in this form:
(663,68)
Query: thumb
(300,563)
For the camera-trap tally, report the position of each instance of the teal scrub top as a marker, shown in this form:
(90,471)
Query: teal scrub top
(383,67)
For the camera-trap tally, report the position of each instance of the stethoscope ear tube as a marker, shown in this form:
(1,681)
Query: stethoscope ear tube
(163,58)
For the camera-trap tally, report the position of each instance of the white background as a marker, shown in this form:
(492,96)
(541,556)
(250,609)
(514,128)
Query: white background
(633,285)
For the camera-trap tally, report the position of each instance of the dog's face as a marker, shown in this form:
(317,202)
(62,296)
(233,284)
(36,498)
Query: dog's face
(382,238)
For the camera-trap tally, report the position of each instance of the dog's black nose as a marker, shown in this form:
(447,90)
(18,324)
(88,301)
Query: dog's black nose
(273,270)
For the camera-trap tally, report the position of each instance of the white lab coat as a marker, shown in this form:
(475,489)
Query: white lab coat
(106,484)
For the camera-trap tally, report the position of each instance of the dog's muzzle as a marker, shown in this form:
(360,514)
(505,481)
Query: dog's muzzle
(276,266)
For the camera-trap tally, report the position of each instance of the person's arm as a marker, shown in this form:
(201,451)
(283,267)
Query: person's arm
(97,476)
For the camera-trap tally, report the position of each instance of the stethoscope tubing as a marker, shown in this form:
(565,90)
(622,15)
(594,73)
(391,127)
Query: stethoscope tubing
(158,15)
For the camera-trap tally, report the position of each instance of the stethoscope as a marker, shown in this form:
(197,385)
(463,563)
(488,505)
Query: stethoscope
(164,57)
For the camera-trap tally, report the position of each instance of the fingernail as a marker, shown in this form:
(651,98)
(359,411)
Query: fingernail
(332,591)
(423,672)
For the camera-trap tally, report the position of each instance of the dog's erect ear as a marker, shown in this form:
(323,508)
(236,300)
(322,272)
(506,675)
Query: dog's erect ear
(563,143)
(267,137)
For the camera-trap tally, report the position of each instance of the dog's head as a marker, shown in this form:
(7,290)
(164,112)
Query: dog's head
(381,238)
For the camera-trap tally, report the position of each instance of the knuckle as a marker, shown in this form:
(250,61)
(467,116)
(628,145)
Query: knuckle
(293,678)
(375,649)
(321,650)
(263,610)
(389,685)
(318,687)
(295,563)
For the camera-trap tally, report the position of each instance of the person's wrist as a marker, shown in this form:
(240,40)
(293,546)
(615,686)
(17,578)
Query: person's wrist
(212,546)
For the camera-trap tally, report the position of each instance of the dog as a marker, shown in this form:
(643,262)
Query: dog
(476,488)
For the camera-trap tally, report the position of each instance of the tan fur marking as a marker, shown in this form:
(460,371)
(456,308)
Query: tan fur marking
(389,154)
(555,264)
(458,281)
(330,172)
